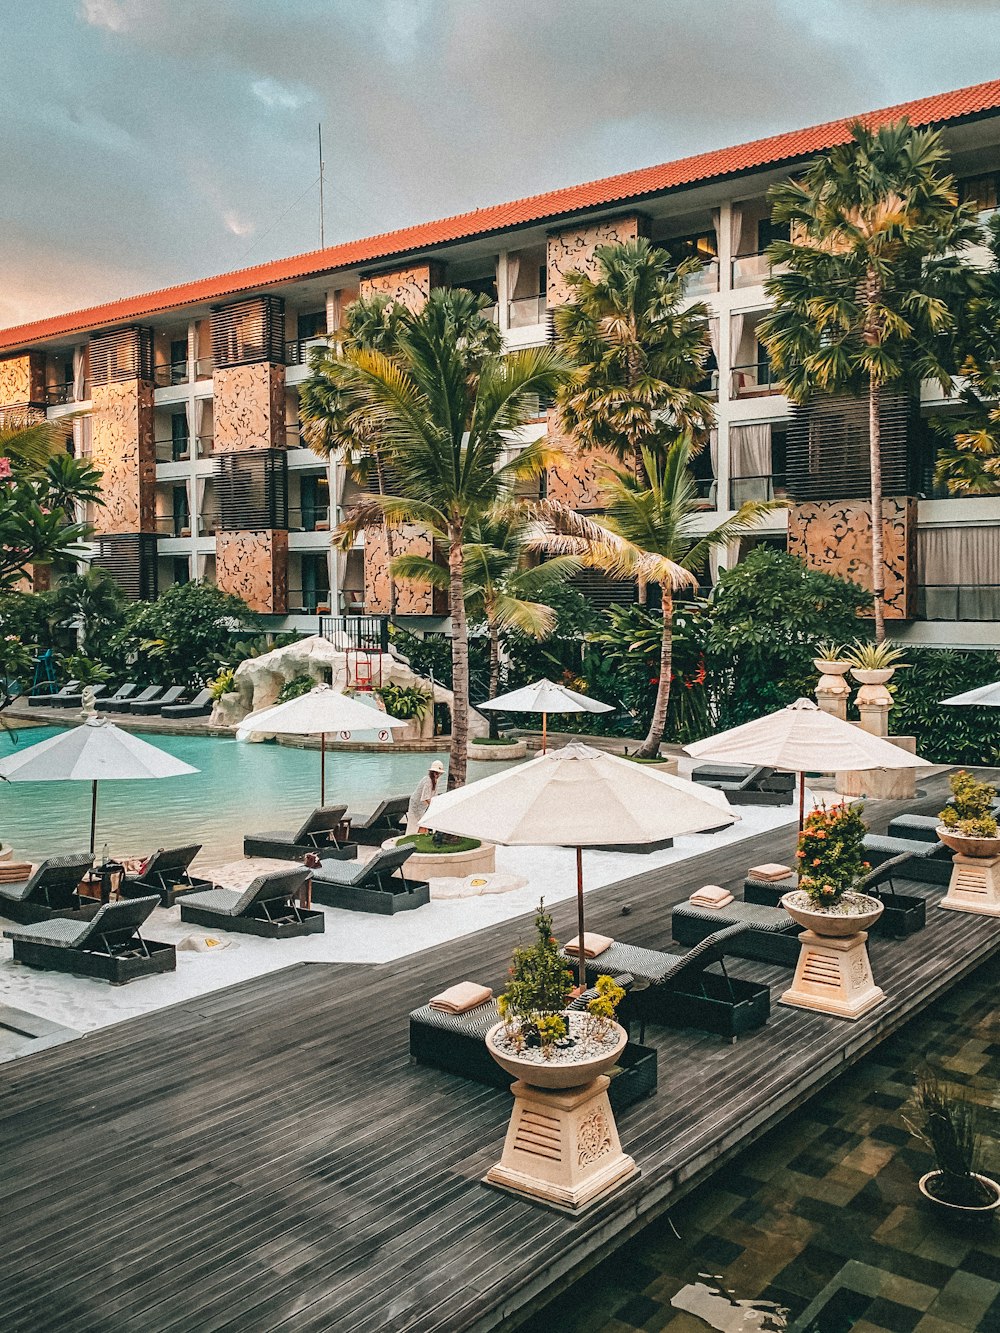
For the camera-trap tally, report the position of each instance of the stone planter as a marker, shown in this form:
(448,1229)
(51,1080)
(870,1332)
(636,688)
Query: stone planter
(480,860)
(975,874)
(873,676)
(493,753)
(975,848)
(832,689)
(562,1146)
(826,666)
(833,974)
(958,1210)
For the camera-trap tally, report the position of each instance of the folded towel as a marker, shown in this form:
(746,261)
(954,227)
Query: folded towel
(698,900)
(770,870)
(593,945)
(14,872)
(712,893)
(458,999)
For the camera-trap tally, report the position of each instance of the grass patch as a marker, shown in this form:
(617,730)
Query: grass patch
(634,759)
(493,740)
(424,842)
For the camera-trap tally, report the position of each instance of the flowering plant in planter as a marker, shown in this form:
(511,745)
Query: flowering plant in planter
(971,812)
(830,853)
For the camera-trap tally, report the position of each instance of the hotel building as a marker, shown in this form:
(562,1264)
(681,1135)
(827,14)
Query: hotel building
(187,398)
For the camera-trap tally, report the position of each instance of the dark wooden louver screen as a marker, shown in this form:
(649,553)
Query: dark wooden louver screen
(828,448)
(252,487)
(124,354)
(248,331)
(130,559)
(602,592)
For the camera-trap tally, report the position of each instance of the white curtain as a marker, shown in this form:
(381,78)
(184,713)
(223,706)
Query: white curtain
(79,373)
(723,557)
(735,229)
(513,271)
(735,338)
(197,422)
(198,505)
(713,336)
(750,450)
(717,227)
(969,555)
(713,449)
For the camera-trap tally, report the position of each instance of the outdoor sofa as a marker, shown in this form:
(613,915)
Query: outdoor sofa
(267,907)
(200,706)
(372,829)
(49,891)
(150,707)
(167,873)
(52,700)
(759,785)
(317,834)
(107,945)
(373,886)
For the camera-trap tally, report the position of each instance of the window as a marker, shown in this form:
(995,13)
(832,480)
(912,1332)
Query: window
(312,325)
(178,361)
(768,231)
(315,582)
(179,440)
(182,569)
(700,246)
(182,514)
(980,191)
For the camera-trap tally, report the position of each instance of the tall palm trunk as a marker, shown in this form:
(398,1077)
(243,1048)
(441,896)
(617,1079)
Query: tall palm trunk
(387,529)
(650,747)
(878,559)
(494,674)
(459,658)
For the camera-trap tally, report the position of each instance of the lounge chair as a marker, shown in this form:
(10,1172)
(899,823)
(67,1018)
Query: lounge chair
(373,829)
(111,703)
(772,937)
(75,700)
(317,834)
(150,707)
(167,873)
(903,913)
(931,861)
(372,886)
(267,907)
(53,700)
(757,786)
(148,695)
(454,1043)
(680,992)
(108,945)
(51,890)
(200,706)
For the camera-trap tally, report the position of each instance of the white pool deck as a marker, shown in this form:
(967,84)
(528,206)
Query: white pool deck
(83,1005)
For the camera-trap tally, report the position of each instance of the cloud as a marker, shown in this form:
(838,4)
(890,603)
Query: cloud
(275,94)
(113,15)
(237,225)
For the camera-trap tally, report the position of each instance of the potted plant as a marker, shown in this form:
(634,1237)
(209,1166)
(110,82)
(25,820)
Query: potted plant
(497,748)
(830,659)
(538,1040)
(968,824)
(948,1123)
(874,663)
(830,864)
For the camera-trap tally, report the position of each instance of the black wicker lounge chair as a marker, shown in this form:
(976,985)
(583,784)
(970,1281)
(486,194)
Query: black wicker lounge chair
(903,914)
(756,786)
(373,829)
(317,834)
(168,874)
(267,907)
(679,991)
(108,945)
(931,860)
(75,699)
(149,695)
(372,886)
(53,700)
(150,707)
(200,706)
(51,890)
(455,1043)
(113,702)
(772,937)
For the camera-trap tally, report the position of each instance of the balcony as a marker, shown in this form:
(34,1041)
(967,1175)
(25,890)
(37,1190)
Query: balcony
(766,487)
(756,380)
(526,312)
(170,525)
(58,394)
(173,372)
(315,518)
(959,601)
(703,281)
(297,349)
(204,367)
(706,493)
(179,450)
(309,602)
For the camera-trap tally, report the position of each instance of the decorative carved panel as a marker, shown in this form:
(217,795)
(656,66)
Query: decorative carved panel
(248,407)
(572,250)
(412,599)
(409,286)
(577,482)
(22,379)
(254,566)
(122,445)
(834,536)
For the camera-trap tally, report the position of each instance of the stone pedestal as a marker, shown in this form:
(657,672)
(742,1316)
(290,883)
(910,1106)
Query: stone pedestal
(891,784)
(562,1147)
(975,885)
(834,976)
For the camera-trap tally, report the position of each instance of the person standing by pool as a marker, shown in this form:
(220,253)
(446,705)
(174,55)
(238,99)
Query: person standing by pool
(422,796)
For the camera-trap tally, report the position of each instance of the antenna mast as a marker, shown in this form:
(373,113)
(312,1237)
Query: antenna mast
(322,229)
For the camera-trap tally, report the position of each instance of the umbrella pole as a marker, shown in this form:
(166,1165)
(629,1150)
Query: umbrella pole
(545,727)
(582,961)
(322,768)
(802,800)
(93,816)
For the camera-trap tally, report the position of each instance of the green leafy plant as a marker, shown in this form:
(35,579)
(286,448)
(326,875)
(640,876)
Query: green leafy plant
(405,701)
(947,735)
(531,1006)
(874,656)
(950,1125)
(602,1008)
(438,844)
(829,651)
(85,670)
(223,683)
(830,853)
(294,688)
(971,810)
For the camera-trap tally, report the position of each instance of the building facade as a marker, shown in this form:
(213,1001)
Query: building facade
(187,398)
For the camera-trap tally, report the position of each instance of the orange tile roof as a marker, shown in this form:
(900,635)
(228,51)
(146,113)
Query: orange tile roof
(626,187)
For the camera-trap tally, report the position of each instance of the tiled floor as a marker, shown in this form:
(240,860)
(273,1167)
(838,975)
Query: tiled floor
(819,1227)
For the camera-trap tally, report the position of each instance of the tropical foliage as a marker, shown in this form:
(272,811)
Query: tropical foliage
(947,735)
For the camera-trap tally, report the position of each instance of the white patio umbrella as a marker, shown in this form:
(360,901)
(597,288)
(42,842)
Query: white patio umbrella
(545,697)
(97,751)
(983,696)
(578,797)
(321,712)
(803,739)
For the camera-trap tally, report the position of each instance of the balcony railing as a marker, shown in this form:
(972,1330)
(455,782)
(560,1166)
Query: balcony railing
(706,492)
(526,312)
(297,349)
(756,380)
(960,601)
(703,281)
(754,269)
(309,602)
(169,526)
(179,451)
(366,633)
(769,487)
(203,367)
(55,394)
(315,519)
(173,372)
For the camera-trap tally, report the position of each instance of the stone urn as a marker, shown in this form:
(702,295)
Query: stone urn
(975,873)
(966,845)
(562,1146)
(833,974)
(832,689)
(872,676)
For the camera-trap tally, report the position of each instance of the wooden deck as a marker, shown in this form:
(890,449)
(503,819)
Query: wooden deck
(267,1158)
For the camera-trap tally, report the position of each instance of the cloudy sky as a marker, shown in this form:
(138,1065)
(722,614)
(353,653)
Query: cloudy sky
(149,141)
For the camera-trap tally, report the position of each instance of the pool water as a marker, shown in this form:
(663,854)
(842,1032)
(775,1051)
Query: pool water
(240,788)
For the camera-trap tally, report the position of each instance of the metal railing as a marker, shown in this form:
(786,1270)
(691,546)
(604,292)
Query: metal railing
(203,367)
(179,450)
(306,519)
(703,280)
(56,394)
(959,601)
(173,372)
(366,633)
(526,312)
(755,487)
(169,526)
(297,349)
(753,381)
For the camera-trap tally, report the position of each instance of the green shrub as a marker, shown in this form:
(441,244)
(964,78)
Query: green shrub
(945,734)
(494,740)
(405,701)
(830,852)
(438,844)
(971,812)
(223,683)
(295,687)
(538,989)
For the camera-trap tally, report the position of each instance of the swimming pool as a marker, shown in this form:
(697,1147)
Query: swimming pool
(240,788)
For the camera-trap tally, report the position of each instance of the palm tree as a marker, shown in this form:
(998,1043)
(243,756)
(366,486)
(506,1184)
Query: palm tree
(93,603)
(875,227)
(638,356)
(444,405)
(649,533)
